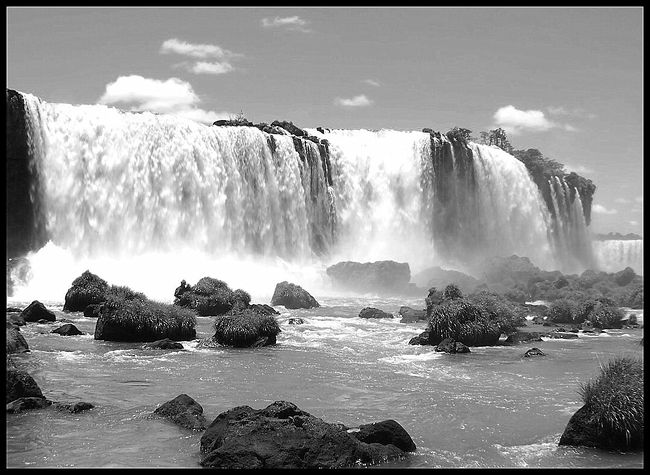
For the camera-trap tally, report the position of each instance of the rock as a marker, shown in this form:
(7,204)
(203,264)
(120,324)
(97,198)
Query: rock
(15,341)
(296,321)
(289,127)
(73,408)
(292,296)
(499,269)
(246,329)
(534,352)
(92,310)
(87,289)
(625,276)
(233,123)
(562,335)
(263,309)
(450,346)
(14,310)
(36,311)
(210,296)
(27,403)
(67,330)
(21,384)
(370,312)
(522,337)
(184,411)
(164,344)
(283,436)
(439,277)
(410,315)
(421,339)
(388,277)
(384,433)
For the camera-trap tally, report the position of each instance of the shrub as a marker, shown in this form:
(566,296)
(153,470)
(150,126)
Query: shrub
(562,311)
(615,400)
(245,328)
(462,321)
(452,292)
(604,316)
(125,293)
(143,320)
(86,289)
(499,310)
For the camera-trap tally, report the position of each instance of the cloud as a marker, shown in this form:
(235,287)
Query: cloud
(633,223)
(600,209)
(170,96)
(579,113)
(578,169)
(200,51)
(372,82)
(514,121)
(205,67)
(294,23)
(356,101)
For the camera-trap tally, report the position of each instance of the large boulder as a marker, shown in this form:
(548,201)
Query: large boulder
(292,296)
(15,340)
(410,315)
(21,384)
(284,436)
(67,330)
(36,311)
(184,411)
(86,289)
(387,277)
(144,321)
(210,296)
(371,312)
(462,321)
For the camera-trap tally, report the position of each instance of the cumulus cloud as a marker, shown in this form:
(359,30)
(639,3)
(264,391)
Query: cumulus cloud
(294,23)
(200,51)
(600,209)
(579,113)
(372,82)
(515,121)
(205,67)
(170,96)
(356,101)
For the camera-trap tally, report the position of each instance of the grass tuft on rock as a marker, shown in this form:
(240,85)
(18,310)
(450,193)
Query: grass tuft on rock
(212,296)
(245,328)
(143,321)
(615,400)
(462,321)
(86,289)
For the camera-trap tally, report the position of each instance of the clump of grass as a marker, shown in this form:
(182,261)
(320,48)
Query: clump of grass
(245,328)
(143,320)
(452,292)
(212,296)
(462,321)
(507,315)
(615,399)
(122,292)
(86,289)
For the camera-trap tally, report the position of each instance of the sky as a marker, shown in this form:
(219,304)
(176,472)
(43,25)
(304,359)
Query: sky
(567,81)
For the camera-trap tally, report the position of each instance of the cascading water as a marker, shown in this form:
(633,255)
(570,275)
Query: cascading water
(145,200)
(615,255)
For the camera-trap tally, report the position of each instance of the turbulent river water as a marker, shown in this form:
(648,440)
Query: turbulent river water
(490,408)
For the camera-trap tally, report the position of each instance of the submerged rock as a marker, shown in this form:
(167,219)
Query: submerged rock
(36,311)
(296,321)
(519,337)
(448,345)
(164,344)
(292,296)
(283,436)
(421,339)
(27,403)
(67,330)
(371,312)
(410,315)
(73,407)
(21,384)
(184,411)
(534,352)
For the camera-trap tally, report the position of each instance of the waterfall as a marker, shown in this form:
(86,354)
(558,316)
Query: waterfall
(615,255)
(146,200)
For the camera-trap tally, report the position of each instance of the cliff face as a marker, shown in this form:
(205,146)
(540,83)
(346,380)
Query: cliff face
(24,232)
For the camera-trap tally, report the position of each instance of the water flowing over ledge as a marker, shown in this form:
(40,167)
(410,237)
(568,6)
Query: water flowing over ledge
(151,199)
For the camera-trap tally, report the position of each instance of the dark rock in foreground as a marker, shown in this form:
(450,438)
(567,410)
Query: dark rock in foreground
(382,276)
(27,403)
(371,312)
(67,330)
(21,384)
(534,352)
(184,411)
(448,345)
(284,436)
(410,315)
(36,311)
(15,342)
(164,344)
(292,296)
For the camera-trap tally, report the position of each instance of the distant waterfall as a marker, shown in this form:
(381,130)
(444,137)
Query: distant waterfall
(145,200)
(616,255)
